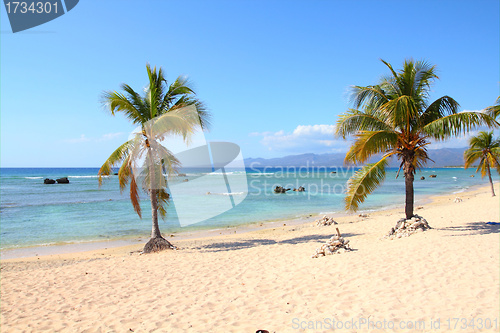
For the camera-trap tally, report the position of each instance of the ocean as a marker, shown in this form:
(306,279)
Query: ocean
(35,214)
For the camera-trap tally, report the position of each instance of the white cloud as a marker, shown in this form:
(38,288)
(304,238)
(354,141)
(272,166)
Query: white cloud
(82,138)
(110,136)
(304,139)
(104,137)
(321,139)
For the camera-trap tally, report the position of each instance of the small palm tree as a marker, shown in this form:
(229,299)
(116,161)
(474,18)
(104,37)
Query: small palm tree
(396,118)
(163,110)
(494,110)
(486,149)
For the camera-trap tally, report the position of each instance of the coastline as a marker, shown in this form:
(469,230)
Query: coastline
(41,224)
(134,241)
(266,278)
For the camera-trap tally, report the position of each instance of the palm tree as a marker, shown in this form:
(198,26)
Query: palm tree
(396,118)
(486,149)
(494,110)
(163,110)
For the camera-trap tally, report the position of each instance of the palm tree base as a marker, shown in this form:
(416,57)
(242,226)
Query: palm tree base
(407,227)
(157,244)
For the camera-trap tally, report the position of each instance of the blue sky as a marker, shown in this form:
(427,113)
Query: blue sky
(275,74)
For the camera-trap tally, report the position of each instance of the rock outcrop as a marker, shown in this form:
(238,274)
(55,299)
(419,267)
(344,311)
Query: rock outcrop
(336,244)
(300,189)
(280,189)
(63,180)
(405,228)
(324,221)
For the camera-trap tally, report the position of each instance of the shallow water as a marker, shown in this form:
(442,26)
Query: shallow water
(32,213)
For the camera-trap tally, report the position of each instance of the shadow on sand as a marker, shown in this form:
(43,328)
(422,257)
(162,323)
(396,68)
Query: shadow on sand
(475,228)
(229,246)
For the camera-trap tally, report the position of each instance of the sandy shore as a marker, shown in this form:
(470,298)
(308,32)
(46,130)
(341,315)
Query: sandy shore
(445,279)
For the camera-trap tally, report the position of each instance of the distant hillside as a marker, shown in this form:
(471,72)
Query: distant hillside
(442,158)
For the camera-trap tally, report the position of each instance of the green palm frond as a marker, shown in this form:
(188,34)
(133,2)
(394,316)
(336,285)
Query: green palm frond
(425,74)
(204,117)
(401,110)
(456,124)
(116,157)
(163,199)
(421,157)
(163,110)
(396,117)
(495,152)
(441,107)
(169,163)
(471,155)
(354,121)
(494,160)
(134,196)
(117,102)
(371,97)
(369,143)
(364,182)
(485,148)
(181,86)
(135,100)
(181,122)
(494,110)
(125,173)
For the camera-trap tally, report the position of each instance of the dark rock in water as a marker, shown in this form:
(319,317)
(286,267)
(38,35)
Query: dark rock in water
(63,180)
(181,174)
(186,180)
(433,176)
(422,178)
(49,181)
(116,173)
(472,176)
(280,189)
(300,189)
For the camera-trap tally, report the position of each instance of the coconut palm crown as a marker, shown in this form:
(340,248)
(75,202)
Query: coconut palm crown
(161,111)
(494,110)
(396,118)
(485,148)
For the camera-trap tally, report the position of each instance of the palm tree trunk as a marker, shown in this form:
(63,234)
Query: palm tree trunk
(155,232)
(157,242)
(409,177)
(491,181)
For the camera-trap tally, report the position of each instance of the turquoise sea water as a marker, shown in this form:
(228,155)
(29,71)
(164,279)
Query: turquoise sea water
(32,213)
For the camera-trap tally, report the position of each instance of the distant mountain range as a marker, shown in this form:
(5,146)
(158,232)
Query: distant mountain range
(444,157)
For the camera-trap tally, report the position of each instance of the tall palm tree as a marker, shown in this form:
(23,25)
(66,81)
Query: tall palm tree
(486,149)
(161,111)
(396,118)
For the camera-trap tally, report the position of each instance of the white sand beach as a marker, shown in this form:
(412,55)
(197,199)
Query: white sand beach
(441,280)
